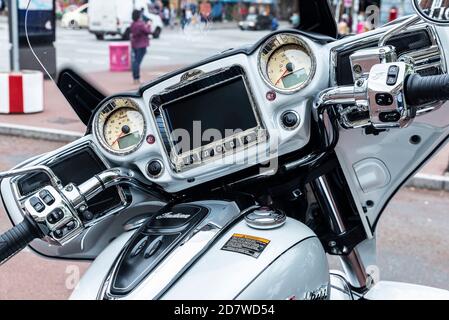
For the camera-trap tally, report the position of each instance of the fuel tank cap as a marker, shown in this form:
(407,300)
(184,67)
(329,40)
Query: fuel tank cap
(265,218)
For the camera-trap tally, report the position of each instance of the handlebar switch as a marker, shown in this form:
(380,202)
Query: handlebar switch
(55,215)
(46,197)
(386,96)
(393,74)
(384,99)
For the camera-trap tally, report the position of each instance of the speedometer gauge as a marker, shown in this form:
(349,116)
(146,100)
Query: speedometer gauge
(286,63)
(120,126)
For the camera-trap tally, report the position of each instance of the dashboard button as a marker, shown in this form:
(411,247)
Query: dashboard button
(37,204)
(47,197)
(58,234)
(207,153)
(232,145)
(153,248)
(290,120)
(71,225)
(139,247)
(192,159)
(155,168)
(219,149)
(250,138)
(55,216)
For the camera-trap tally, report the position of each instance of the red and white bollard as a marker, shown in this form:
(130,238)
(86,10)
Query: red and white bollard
(21,92)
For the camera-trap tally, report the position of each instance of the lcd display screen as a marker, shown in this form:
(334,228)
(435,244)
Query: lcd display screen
(129,140)
(295,78)
(210,115)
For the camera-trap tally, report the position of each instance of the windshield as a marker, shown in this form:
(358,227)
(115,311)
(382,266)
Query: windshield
(251,17)
(119,45)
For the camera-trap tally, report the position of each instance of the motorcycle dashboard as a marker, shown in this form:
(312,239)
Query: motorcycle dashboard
(232,112)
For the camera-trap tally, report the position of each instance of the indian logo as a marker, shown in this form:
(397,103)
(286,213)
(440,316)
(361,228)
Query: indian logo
(171,215)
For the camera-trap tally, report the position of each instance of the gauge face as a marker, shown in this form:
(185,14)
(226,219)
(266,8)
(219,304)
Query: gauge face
(289,67)
(121,126)
(286,63)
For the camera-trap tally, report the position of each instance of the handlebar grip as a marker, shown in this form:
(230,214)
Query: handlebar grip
(16,239)
(421,90)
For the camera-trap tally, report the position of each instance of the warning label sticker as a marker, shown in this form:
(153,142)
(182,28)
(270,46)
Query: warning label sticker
(248,245)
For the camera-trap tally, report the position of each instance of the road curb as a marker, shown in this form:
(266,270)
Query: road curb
(429,181)
(39,133)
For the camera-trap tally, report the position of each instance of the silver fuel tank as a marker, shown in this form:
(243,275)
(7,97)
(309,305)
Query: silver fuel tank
(220,257)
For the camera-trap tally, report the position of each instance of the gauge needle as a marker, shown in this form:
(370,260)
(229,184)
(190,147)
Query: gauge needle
(125,131)
(118,138)
(288,68)
(283,75)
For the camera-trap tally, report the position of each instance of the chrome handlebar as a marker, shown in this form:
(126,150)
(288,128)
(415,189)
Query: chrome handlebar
(57,210)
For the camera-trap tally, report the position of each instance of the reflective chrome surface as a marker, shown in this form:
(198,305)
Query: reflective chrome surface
(268,57)
(118,119)
(434,11)
(265,218)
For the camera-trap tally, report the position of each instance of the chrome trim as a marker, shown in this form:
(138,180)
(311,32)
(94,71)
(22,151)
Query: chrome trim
(162,166)
(336,95)
(177,161)
(111,178)
(100,135)
(398,29)
(54,180)
(355,43)
(283,39)
(436,48)
(265,218)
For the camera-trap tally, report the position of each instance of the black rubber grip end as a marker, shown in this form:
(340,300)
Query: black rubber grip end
(421,90)
(16,239)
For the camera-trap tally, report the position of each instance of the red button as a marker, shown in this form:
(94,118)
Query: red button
(151,139)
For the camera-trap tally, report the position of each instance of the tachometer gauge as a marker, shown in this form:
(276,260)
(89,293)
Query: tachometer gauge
(120,126)
(286,63)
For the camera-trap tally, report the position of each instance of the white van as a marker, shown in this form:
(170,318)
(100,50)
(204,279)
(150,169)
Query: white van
(113,17)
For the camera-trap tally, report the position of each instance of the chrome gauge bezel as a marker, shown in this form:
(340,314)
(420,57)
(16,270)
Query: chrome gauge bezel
(275,43)
(103,114)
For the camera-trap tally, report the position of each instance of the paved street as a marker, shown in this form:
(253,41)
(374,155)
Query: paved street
(81,49)
(413,240)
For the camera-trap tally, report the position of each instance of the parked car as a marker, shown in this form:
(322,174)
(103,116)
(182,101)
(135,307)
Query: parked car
(77,18)
(256,22)
(113,17)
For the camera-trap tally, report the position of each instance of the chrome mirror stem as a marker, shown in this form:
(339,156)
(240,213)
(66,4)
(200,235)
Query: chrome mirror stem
(398,29)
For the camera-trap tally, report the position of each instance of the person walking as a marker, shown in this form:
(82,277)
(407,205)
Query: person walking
(140,41)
